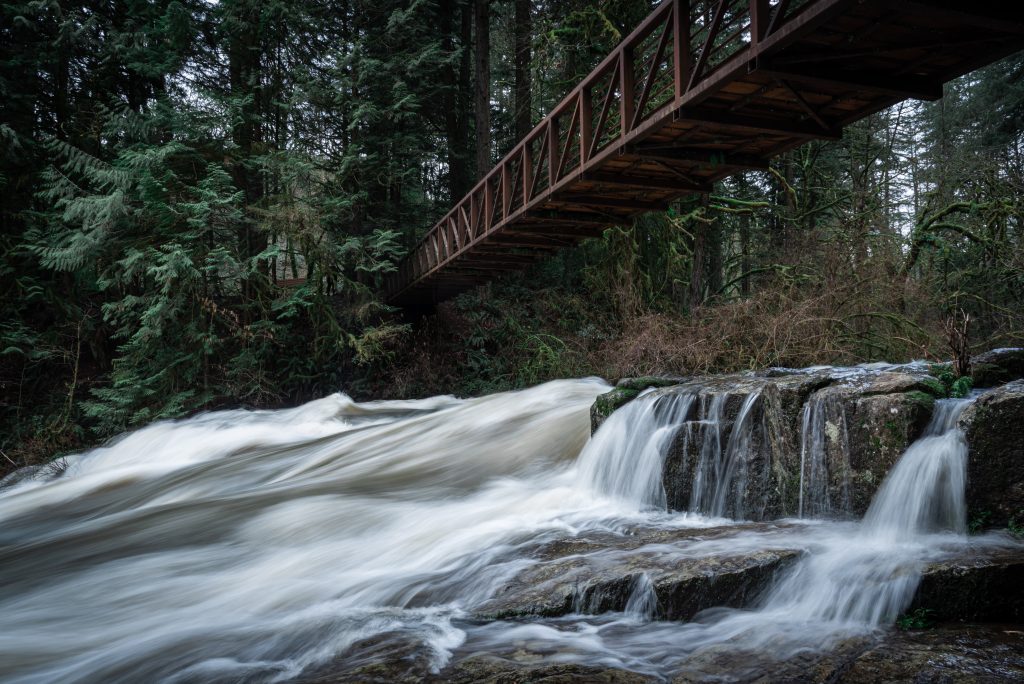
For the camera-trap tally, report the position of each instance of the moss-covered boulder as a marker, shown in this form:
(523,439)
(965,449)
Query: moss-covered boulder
(994,426)
(997,367)
(879,428)
(626,390)
(607,403)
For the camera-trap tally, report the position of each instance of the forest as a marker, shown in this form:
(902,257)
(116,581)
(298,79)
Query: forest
(200,201)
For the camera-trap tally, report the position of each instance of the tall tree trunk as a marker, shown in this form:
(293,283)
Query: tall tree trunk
(700,244)
(455,98)
(482,91)
(523,30)
(244,79)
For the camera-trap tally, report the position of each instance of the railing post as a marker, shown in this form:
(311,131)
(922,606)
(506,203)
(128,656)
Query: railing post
(473,209)
(552,150)
(682,61)
(626,88)
(527,171)
(506,190)
(488,204)
(586,123)
(760,15)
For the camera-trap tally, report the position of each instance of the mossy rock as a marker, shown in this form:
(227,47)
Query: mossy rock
(607,403)
(880,427)
(626,390)
(648,381)
(996,367)
(933,387)
(994,426)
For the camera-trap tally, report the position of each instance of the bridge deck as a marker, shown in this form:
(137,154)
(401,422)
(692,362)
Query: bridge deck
(712,87)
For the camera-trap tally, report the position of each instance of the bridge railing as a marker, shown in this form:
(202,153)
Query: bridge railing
(678,46)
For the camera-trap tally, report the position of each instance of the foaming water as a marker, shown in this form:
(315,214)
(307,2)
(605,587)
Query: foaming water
(250,546)
(853,579)
(277,545)
(624,459)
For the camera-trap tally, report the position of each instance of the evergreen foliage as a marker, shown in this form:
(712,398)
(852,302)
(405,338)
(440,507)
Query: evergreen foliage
(199,201)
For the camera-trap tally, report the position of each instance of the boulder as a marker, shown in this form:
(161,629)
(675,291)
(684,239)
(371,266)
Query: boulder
(845,432)
(648,381)
(600,573)
(881,421)
(997,367)
(985,586)
(994,427)
(607,403)
(626,390)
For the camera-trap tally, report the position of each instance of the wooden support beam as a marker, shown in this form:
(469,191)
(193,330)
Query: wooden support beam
(531,241)
(1005,18)
(930,47)
(642,183)
(713,119)
(805,105)
(710,158)
(833,79)
(564,216)
(611,202)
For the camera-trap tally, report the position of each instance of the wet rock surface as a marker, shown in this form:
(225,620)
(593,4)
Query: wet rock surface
(997,367)
(979,587)
(599,573)
(947,653)
(994,428)
(626,390)
(833,432)
(607,403)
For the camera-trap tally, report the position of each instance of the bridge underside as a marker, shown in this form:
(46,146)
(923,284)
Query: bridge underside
(712,88)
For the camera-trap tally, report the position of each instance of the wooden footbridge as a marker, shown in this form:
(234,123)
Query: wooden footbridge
(699,90)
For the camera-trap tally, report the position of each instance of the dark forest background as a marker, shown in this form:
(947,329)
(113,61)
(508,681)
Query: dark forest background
(199,201)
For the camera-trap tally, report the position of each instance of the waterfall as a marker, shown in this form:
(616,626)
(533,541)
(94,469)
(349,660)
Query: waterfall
(822,434)
(869,578)
(624,457)
(258,545)
(925,491)
(721,476)
(643,600)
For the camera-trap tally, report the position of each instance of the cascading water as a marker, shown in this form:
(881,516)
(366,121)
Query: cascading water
(868,582)
(721,473)
(823,432)
(624,458)
(252,546)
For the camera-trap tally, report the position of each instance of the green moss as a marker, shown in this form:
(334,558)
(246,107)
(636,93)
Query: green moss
(935,387)
(979,521)
(644,382)
(607,403)
(1016,524)
(925,400)
(961,387)
(921,618)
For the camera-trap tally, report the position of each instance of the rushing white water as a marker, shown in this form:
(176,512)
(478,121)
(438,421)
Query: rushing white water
(722,473)
(855,578)
(823,433)
(253,545)
(278,547)
(624,459)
